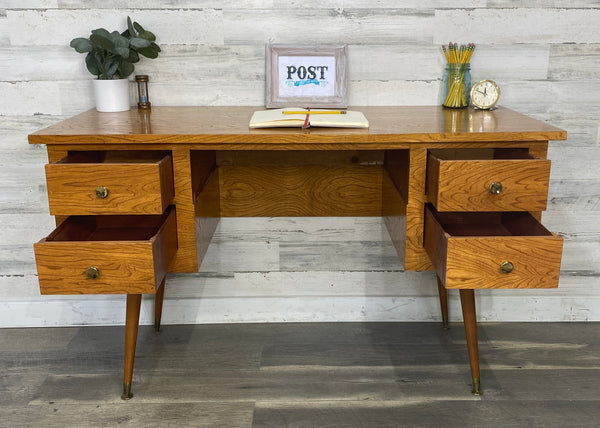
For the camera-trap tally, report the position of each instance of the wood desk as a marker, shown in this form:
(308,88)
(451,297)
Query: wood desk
(138,194)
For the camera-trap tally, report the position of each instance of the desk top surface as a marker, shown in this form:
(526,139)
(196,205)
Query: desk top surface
(214,125)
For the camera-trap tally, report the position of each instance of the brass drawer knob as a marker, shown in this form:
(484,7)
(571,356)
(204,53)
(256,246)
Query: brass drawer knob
(92,272)
(101,192)
(495,188)
(506,267)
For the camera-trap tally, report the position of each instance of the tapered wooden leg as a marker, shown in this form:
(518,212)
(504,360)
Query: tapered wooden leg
(443,303)
(132,319)
(158,305)
(467,301)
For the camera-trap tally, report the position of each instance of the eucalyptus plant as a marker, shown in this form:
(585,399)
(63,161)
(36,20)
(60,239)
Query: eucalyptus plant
(112,55)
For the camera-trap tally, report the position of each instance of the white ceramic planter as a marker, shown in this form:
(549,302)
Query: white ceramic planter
(112,95)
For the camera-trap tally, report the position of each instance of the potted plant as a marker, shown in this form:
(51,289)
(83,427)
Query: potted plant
(110,57)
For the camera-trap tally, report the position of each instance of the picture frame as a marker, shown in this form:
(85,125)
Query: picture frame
(306,76)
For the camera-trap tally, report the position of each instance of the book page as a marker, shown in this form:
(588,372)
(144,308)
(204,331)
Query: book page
(275,119)
(320,118)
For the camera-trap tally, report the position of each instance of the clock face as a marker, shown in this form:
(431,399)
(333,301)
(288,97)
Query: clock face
(485,94)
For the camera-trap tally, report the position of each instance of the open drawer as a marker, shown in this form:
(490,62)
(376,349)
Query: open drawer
(492,250)
(107,254)
(487,180)
(113,182)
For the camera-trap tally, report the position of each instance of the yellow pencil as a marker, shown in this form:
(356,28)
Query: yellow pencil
(314,112)
(458,57)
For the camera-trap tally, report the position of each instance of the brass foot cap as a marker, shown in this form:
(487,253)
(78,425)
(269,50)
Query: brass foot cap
(127,395)
(445,324)
(476,387)
(156,326)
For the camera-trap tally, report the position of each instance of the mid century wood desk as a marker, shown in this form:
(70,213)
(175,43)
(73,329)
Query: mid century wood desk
(138,194)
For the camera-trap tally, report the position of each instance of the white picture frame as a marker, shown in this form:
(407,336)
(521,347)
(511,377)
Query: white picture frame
(306,76)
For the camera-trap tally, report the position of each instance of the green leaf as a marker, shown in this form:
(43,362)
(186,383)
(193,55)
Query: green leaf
(133,56)
(138,27)
(100,41)
(148,35)
(130,28)
(121,44)
(101,32)
(113,54)
(138,43)
(81,45)
(110,67)
(117,38)
(151,51)
(125,68)
(92,64)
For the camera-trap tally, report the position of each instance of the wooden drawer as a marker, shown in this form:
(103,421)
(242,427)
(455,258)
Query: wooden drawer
(472,250)
(487,180)
(107,254)
(89,183)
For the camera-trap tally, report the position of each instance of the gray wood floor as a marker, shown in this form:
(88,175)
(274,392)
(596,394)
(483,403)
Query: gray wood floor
(303,375)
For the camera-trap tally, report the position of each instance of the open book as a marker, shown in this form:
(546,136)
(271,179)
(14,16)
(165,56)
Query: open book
(296,118)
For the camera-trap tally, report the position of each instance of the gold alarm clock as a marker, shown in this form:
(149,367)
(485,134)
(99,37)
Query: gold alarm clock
(485,94)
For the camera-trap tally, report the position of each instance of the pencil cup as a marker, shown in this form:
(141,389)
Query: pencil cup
(456,85)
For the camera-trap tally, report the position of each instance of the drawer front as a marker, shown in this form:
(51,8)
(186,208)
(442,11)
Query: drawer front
(488,185)
(110,188)
(107,264)
(493,261)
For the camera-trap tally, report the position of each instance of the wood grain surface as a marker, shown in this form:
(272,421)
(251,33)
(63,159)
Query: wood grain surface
(207,213)
(416,258)
(290,173)
(475,262)
(390,127)
(464,185)
(186,259)
(471,258)
(397,165)
(135,185)
(393,208)
(221,169)
(130,258)
(202,165)
(300,183)
(310,190)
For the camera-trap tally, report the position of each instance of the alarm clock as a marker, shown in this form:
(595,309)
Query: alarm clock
(485,94)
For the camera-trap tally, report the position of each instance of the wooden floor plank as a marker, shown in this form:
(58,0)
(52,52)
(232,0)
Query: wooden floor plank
(18,386)
(303,375)
(286,383)
(99,350)
(127,414)
(428,414)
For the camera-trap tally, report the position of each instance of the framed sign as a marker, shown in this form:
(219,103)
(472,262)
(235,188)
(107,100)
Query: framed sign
(304,76)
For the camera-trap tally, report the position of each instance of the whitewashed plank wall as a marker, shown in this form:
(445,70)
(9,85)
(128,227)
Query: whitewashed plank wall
(545,54)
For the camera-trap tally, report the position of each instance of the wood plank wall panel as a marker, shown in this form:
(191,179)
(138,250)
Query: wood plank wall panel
(544,54)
